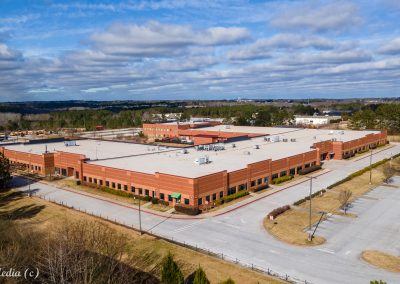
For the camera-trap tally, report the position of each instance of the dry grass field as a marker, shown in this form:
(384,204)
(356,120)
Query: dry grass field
(46,216)
(382,260)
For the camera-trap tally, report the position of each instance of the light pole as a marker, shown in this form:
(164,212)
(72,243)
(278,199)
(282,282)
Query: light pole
(370,167)
(140,218)
(311,178)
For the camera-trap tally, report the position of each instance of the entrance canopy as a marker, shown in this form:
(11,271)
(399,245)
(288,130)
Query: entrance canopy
(176,195)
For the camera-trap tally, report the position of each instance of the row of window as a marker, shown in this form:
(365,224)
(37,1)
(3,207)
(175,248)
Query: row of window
(133,189)
(31,167)
(209,198)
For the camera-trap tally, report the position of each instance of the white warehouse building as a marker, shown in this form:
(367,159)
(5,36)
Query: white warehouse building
(314,119)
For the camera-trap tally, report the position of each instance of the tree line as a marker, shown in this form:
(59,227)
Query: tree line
(384,116)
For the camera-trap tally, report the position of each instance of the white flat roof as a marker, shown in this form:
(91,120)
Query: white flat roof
(92,149)
(152,159)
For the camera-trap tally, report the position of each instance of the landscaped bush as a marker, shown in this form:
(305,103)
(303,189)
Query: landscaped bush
(219,202)
(78,182)
(163,202)
(300,201)
(236,195)
(278,211)
(260,188)
(281,179)
(309,169)
(116,192)
(187,210)
(154,201)
(359,173)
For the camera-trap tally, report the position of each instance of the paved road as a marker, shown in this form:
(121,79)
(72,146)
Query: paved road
(240,233)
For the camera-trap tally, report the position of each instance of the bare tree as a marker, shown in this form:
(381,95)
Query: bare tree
(387,172)
(344,198)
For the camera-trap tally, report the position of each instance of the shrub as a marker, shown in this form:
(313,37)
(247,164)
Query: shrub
(187,210)
(278,211)
(116,192)
(228,281)
(260,188)
(309,169)
(281,179)
(236,195)
(170,272)
(154,201)
(200,277)
(360,172)
(300,201)
(78,182)
(163,202)
(219,202)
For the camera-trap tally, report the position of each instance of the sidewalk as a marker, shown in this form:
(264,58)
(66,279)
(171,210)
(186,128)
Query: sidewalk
(169,214)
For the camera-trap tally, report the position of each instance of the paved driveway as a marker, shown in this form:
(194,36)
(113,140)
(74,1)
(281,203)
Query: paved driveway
(240,233)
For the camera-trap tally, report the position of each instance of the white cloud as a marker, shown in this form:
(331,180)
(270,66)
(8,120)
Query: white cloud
(96,90)
(162,40)
(392,47)
(335,16)
(262,48)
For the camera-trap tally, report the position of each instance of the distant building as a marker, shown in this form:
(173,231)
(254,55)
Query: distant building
(315,119)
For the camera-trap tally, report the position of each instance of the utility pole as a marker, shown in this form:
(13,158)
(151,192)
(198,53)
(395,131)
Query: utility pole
(311,178)
(140,217)
(370,167)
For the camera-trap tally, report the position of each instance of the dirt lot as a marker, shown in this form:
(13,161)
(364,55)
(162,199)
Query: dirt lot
(45,216)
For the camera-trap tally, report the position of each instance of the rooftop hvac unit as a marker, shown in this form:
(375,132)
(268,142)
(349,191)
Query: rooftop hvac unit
(201,160)
(227,127)
(246,153)
(184,151)
(315,137)
(256,146)
(293,140)
(268,139)
(275,139)
(284,140)
(233,145)
(331,132)
(341,132)
(70,143)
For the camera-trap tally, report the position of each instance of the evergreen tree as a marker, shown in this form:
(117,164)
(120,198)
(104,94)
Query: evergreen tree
(200,277)
(170,273)
(5,175)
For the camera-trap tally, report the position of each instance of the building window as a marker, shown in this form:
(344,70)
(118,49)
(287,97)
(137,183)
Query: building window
(107,183)
(64,172)
(292,172)
(146,192)
(259,181)
(208,198)
(253,183)
(199,201)
(221,194)
(169,198)
(284,173)
(274,176)
(113,184)
(95,180)
(214,196)
(125,187)
(162,196)
(77,174)
(266,180)
(231,190)
(243,186)
(84,178)
(101,182)
(140,191)
(133,189)
(90,180)
(299,169)
(119,186)
(186,200)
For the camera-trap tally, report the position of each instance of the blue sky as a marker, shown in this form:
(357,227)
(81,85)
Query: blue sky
(200,49)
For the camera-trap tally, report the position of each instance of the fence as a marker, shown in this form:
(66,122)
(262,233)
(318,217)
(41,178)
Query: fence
(195,247)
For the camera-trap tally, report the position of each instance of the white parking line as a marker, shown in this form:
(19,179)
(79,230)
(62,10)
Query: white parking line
(326,250)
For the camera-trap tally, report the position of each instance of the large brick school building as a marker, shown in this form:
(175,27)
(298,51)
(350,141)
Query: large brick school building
(225,160)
